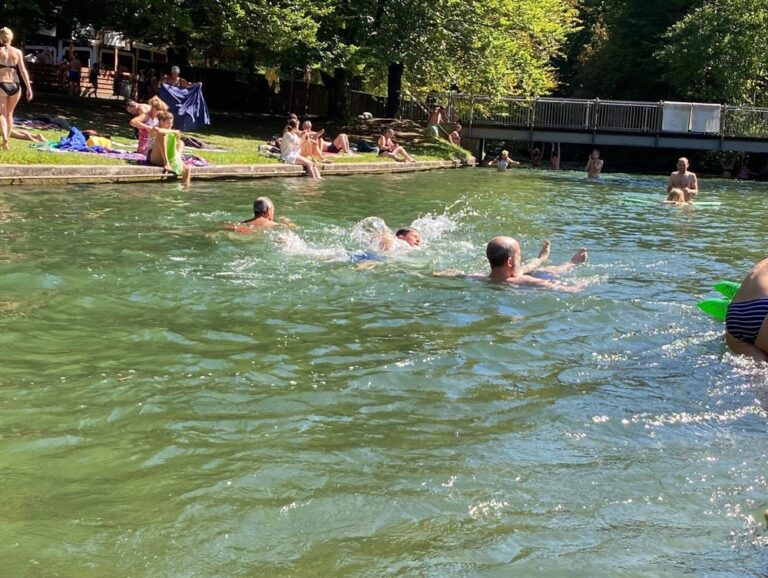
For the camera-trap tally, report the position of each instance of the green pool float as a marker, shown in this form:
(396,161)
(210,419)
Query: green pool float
(718,307)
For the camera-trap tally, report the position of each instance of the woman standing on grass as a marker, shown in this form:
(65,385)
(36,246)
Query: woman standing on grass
(290,149)
(12,72)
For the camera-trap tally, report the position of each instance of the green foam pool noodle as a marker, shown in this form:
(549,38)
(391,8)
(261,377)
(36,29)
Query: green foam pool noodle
(174,159)
(727,288)
(717,308)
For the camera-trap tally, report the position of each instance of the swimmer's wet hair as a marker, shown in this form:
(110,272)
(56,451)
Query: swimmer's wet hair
(498,252)
(405,230)
(262,206)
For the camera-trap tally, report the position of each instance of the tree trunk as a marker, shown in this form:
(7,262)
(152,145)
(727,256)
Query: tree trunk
(394,88)
(338,93)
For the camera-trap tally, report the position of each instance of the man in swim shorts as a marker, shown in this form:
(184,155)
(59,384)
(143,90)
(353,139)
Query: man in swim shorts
(683,179)
(506,261)
(746,330)
(263,218)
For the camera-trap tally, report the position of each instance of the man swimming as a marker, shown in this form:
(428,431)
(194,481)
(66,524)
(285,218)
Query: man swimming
(409,235)
(683,179)
(263,218)
(506,261)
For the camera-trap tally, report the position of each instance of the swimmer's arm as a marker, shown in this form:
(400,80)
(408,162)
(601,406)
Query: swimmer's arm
(386,240)
(544,284)
(738,346)
(532,265)
(670,186)
(693,187)
(449,273)
(286,222)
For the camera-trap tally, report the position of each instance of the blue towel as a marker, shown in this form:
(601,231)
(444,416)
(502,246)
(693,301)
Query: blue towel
(187,105)
(75,141)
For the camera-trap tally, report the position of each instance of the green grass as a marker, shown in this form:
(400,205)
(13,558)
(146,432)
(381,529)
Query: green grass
(240,134)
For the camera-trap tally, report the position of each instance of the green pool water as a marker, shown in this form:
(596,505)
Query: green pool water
(181,401)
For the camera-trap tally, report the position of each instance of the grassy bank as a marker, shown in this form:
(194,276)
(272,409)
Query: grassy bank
(239,134)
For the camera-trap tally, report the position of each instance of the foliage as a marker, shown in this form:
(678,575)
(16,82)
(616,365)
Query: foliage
(718,53)
(615,54)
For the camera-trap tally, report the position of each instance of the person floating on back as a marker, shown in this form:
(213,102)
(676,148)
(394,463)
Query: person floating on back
(506,261)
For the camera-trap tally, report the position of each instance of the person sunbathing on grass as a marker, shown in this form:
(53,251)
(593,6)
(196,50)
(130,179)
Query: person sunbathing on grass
(389,148)
(338,145)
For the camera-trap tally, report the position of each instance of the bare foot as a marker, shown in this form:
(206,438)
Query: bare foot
(580,257)
(5,144)
(544,253)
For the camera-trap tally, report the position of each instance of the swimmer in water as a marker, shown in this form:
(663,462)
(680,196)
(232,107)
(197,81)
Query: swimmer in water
(505,258)
(503,161)
(409,235)
(746,325)
(263,218)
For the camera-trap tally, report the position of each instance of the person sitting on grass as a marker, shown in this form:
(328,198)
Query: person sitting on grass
(339,145)
(263,218)
(164,137)
(389,148)
(290,149)
(455,136)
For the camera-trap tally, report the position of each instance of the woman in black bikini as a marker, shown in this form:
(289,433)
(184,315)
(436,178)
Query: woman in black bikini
(12,72)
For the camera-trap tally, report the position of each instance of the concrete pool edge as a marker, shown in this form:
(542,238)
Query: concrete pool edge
(96,174)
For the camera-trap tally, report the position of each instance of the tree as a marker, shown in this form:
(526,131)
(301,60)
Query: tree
(718,53)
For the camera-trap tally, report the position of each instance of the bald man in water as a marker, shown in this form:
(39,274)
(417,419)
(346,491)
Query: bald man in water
(505,258)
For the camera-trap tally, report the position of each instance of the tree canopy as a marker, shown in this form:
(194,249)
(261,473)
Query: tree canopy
(709,50)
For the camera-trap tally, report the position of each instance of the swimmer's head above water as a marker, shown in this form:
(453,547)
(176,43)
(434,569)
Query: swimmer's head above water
(503,251)
(263,207)
(409,235)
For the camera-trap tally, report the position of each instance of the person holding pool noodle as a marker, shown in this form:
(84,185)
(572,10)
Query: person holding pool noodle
(166,148)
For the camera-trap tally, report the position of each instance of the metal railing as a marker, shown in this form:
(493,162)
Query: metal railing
(575,114)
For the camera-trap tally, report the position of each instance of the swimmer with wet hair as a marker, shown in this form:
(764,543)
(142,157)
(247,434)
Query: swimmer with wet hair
(263,218)
(505,258)
(506,261)
(409,235)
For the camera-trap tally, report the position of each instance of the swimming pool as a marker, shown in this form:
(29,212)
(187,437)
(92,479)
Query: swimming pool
(180,401)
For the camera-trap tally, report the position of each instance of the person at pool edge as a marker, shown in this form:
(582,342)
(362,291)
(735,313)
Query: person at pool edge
(263,218)
(746,323)
(683,179)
